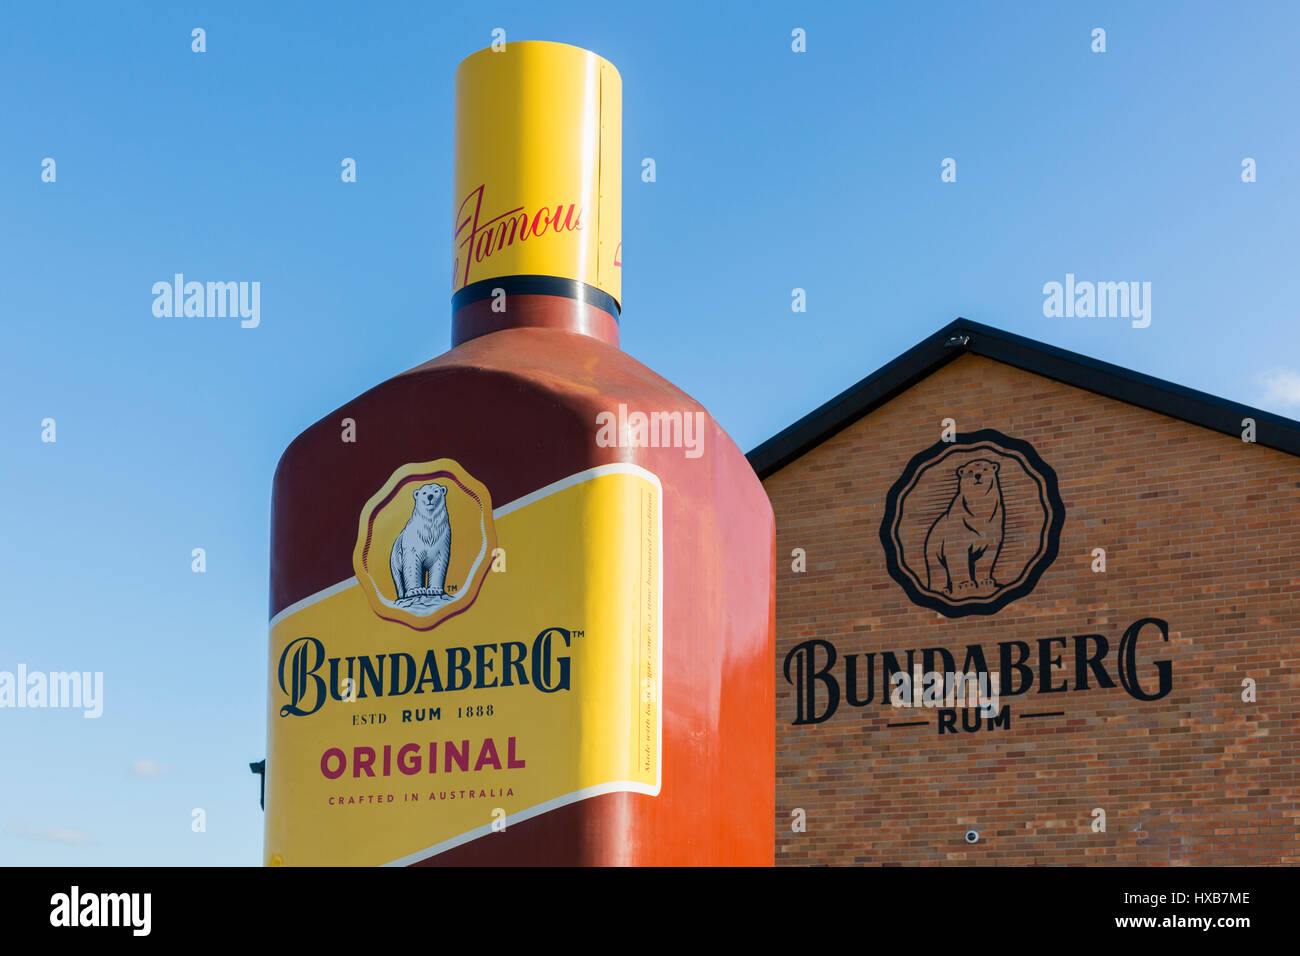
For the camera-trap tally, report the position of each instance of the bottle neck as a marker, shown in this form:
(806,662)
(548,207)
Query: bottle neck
(539,302)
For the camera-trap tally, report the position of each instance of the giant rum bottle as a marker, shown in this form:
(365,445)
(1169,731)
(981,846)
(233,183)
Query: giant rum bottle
(522,594)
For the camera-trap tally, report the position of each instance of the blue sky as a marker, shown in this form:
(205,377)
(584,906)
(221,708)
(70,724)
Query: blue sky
(775,170)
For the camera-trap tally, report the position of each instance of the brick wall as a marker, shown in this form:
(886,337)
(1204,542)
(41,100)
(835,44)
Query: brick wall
(1199,529)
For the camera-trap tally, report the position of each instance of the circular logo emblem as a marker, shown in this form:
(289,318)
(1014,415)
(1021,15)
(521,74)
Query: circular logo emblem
(424,543)
(972,524)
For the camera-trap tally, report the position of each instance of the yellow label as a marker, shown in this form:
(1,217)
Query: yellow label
(537,183)
(501,663)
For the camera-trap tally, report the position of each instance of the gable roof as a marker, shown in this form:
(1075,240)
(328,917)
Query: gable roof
(963,336)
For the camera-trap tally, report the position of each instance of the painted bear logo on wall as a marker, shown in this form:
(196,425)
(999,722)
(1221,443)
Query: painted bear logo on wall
(972,524)
(404,558)
(962,547)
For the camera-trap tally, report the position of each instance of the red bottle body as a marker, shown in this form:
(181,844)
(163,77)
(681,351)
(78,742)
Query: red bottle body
(518,408)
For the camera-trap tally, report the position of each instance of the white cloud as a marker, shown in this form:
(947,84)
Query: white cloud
(1281,387)
(147,769)
(53,834)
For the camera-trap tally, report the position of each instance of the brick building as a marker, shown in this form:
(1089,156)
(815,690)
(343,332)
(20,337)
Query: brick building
(1106,565)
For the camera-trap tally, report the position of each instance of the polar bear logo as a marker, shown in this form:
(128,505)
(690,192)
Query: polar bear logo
(422,550)
(964,542)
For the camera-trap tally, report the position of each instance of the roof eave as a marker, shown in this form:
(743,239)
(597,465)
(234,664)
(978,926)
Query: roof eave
(962,336)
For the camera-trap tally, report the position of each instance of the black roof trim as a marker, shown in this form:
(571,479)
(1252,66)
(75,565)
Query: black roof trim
(961,336)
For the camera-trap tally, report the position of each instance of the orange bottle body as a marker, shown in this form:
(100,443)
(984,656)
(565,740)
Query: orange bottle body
(517,412)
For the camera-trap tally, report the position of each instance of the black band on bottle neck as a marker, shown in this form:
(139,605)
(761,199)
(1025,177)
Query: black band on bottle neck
(535,285)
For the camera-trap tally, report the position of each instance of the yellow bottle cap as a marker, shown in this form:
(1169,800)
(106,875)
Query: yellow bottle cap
(538,189)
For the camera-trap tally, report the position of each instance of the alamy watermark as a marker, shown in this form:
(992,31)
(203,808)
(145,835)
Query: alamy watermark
(1102,300)
(128,910)
(82,689)
(181,299)
(635,429)
(953,689)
